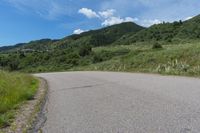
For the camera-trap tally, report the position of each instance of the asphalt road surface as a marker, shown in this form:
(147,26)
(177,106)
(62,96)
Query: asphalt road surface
(108,102)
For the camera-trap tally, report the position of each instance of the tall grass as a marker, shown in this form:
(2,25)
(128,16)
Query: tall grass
(173,59)
(15,88)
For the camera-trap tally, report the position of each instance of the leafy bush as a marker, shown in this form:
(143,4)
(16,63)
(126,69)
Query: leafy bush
(102,56)
(156,46)
(85,50)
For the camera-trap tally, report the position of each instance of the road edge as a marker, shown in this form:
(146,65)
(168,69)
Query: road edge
(28,113)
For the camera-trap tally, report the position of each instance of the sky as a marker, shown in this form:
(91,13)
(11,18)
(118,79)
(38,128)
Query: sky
(26,20)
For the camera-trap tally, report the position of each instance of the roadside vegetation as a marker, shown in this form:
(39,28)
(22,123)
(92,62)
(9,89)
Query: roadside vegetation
(157,57)
(173,59)
(15,88)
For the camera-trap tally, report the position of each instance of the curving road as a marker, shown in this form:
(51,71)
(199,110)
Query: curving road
(108,102)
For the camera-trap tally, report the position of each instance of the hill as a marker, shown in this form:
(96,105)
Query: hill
(101,37)
(165,32)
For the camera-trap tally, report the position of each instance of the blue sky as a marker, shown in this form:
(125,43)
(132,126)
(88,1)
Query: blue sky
(26,20)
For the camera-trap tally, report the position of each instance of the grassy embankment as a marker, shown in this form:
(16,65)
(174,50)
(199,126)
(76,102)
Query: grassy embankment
(15,88)
(173,59)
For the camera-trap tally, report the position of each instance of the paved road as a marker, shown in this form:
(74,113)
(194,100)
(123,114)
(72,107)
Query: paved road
(106,102)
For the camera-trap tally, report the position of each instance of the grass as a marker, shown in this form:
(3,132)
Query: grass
(173,59)
(15,88)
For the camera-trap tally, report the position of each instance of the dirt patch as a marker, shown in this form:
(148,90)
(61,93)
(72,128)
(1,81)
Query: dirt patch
(28,113)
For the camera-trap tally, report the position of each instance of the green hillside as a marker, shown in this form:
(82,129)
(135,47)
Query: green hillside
(104,36)
(166,32)
(123,47)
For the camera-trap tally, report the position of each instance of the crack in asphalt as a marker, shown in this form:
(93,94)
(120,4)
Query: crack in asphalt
(77,87)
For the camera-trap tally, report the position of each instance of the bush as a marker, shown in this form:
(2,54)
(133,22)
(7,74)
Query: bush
(157,46)
(102,56)
(85,50)
(97,58)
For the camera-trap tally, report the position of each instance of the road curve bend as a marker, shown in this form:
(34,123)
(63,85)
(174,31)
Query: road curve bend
(109,102)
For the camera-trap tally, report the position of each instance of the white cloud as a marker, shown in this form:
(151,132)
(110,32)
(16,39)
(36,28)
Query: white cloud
(112,21)
(117,20)
(107,13)
(188,18)
(107,16)
(130,19)
(150,22)
(88,13)
(78,31)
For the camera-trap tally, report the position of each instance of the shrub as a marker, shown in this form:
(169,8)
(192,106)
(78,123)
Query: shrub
(157,46)
(85,50)
(102,56)
(97,58)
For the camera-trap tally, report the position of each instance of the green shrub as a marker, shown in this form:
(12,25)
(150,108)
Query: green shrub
(157,46)
(85,50)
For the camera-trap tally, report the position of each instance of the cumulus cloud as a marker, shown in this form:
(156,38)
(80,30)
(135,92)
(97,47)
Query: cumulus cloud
(130,19)
(88,13)
(117,20)
(107,17)
(150,22)
(188,18)
(107,13)
(78,31)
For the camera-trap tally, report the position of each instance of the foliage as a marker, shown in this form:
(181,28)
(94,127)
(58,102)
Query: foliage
(157,46)
(85,50)
(173,59)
